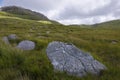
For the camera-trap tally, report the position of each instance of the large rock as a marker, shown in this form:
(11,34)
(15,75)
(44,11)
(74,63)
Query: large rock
(26,45)
(68,58)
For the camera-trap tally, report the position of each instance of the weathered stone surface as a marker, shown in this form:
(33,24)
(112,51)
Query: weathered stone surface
(67,57)
(12,37)
(5,39)
(26,45)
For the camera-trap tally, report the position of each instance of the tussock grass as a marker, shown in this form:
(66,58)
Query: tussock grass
(35,65)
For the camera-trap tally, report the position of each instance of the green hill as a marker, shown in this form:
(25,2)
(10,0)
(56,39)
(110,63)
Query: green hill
(110,24)
(35,65)
(24,13)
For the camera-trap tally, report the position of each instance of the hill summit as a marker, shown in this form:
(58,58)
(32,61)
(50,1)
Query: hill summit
(24,13)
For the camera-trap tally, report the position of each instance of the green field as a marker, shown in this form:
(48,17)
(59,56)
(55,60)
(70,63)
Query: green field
(35,65)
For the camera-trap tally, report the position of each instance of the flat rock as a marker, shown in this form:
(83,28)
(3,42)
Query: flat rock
(26,45)
(68,58)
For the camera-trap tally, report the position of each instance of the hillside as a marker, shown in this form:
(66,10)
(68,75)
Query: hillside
(113,24)
(110,24)
(24,13)
(102,43)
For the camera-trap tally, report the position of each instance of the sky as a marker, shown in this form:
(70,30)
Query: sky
(72,11)
(1,2)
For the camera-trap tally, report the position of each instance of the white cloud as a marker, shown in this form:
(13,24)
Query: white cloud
(73,11)
(92,20)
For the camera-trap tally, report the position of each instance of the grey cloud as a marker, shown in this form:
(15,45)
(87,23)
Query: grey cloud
(70,13)
(117,14)
(70,10)
(108,9)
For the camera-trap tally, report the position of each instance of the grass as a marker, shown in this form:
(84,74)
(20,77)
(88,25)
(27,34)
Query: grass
(35,65)
(45,22)
(114,24)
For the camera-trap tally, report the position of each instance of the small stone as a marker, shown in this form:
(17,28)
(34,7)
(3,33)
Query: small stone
(26,45)
(12,37)
(5,39)
(114,41)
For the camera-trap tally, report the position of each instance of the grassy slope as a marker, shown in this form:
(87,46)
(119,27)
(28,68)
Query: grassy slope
(115,24)
(34,65)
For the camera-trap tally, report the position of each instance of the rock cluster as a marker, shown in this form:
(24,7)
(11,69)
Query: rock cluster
(23,45)
(68,58)
(6,39)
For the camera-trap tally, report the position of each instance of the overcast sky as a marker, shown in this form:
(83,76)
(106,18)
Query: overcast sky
(72,11)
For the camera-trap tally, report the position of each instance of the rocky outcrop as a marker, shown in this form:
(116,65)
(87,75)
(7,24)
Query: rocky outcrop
(26,45)
(68,58)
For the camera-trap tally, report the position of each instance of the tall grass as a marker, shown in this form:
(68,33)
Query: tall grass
(34,65)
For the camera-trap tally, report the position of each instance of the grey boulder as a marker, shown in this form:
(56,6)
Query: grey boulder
(26,45)
(68,58)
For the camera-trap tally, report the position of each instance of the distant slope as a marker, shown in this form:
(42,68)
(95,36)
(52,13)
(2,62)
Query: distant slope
(114,24)
(24,13)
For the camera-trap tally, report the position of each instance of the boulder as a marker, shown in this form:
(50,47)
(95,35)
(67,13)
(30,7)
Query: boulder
(26,45)
(69,58)
(12,37)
